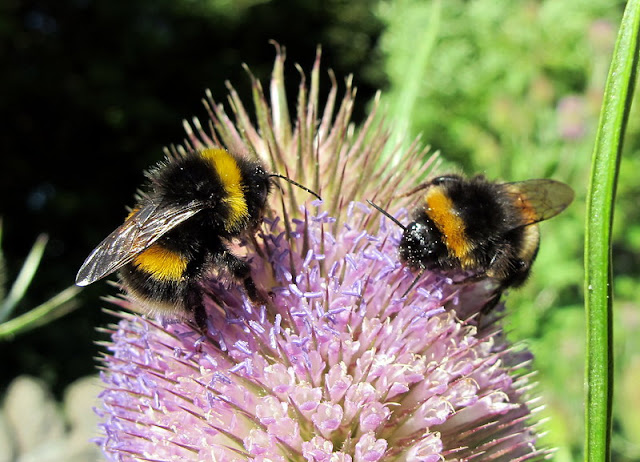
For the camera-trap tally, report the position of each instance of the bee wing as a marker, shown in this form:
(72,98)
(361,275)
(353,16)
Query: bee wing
(540,199)
(141,229)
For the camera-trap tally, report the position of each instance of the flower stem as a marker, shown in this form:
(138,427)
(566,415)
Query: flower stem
(28,270)
(54,308)
(601,196)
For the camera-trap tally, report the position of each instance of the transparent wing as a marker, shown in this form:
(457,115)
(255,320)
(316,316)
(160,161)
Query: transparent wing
(141,229)
(540,199)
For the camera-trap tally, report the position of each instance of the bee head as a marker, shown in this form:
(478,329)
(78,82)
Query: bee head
(421,246)
(257,190)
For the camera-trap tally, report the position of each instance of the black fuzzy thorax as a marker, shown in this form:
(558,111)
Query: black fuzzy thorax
(490,217)
(482,206)
(191,178)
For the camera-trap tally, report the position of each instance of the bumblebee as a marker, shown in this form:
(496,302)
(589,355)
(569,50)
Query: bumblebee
(180,229)
(481,227)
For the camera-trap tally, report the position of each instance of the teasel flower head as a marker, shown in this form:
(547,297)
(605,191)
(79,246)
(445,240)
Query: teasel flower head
(338,365)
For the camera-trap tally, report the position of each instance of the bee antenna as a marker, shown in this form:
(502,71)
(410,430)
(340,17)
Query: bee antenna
(386,214)
(295,183)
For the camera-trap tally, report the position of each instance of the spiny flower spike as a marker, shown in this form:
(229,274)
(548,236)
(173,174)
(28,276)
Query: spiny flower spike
(337,365)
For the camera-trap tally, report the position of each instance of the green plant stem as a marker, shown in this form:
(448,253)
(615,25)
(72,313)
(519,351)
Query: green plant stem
(600,200)
(417,69)
(55,307)
(24,278)
(411,70)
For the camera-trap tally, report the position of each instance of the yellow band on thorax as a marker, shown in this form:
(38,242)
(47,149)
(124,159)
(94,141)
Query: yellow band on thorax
(161,263)
(440,209)
(228,170)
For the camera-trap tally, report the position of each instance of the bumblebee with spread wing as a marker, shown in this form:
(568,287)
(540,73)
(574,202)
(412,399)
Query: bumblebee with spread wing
(180,230)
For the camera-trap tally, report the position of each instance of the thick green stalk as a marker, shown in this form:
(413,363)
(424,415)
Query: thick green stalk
(601,196)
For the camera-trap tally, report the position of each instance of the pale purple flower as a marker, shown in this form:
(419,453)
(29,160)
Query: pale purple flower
(338,366)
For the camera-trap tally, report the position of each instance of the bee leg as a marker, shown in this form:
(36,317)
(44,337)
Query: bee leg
(413,284)
(241,270)
(252,291)
(196,304)
(200,316)
(492,302)
(470,279)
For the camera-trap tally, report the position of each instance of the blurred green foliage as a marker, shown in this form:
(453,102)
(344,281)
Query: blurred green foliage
(513,90)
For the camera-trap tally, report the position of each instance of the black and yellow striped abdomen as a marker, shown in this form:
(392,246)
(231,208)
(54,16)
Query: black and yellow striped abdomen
(222,182)
(160,277)
(161,263)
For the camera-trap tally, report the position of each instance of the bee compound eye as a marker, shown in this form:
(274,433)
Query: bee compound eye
(421,245)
